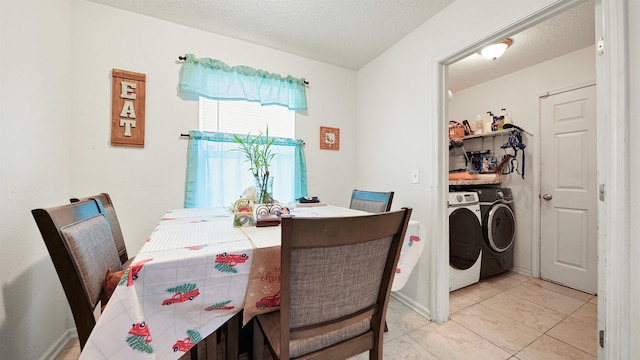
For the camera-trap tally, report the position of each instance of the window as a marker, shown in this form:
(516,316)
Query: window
(217,175)
(244,117)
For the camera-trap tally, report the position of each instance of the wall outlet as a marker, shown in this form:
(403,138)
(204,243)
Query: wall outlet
(415,176)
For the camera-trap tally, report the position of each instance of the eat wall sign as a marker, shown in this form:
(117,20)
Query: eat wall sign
(127,108)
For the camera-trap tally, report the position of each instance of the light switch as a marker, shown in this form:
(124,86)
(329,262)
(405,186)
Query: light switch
(415,176)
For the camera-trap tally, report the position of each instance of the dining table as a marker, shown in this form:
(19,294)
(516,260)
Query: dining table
(196,271)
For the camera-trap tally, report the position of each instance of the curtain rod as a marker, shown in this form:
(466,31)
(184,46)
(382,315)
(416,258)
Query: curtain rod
(189,137)
(183,58)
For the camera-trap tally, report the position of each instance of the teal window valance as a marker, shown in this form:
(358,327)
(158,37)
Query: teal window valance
(216,80)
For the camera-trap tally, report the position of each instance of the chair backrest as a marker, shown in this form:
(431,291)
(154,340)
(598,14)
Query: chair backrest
(371,201)
(110,211)
(81,247)
(336,274)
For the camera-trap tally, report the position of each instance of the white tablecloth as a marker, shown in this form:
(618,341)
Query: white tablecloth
(193,275)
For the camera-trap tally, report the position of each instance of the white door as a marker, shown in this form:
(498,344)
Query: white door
(568,207)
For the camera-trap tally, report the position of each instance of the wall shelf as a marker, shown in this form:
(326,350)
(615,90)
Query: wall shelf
(490,134)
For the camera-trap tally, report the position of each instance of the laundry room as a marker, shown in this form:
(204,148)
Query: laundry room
(498,138)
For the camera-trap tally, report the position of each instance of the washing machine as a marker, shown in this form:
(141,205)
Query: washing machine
(498,230)
(465,239)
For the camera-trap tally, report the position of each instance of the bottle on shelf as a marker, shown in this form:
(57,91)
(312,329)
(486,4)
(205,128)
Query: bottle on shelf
(487,120)
(479,125)
(506,119)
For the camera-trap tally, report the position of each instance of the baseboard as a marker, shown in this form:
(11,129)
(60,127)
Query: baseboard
(521,271)
(58,345)
(421,310)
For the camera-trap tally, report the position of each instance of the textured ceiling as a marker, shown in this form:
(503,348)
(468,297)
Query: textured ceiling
(346,33)
(569,31)
(350,33)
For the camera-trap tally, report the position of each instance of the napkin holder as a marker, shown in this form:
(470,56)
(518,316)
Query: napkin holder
(268,220)
(243,213)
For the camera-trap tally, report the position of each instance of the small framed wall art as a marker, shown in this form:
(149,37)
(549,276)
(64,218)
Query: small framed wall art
(329,138)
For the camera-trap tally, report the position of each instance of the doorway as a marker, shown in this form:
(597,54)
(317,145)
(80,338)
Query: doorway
(613,174)
(519,92)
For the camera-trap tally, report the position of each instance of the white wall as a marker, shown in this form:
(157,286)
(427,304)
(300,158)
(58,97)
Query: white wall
(633,13)
(34,170)
(519,93)
(55,105)
(146,182)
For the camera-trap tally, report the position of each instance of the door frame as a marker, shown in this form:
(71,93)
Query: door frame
(613,173)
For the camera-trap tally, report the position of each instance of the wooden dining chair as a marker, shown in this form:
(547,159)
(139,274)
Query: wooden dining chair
(208,348)
(371,201)
(81,246)
(336,276)
(116,230)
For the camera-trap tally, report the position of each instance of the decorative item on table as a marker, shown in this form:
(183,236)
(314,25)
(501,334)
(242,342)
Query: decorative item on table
(243,213)
(259,154)
(272,208)
(456,130)
(310,201)
(268,220)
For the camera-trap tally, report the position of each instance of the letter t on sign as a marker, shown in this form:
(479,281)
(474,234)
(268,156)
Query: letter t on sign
(127,108)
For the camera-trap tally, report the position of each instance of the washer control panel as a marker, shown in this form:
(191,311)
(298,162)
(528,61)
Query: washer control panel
(463,198)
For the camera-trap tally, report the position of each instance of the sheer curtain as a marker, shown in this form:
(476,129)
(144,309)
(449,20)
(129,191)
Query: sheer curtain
(216,80)
(217,175)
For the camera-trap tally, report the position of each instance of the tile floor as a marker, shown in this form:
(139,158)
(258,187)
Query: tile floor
(509,316)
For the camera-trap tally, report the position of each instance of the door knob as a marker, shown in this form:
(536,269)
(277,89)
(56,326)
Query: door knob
(547,196)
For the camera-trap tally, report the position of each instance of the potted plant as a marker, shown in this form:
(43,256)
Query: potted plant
(258,152)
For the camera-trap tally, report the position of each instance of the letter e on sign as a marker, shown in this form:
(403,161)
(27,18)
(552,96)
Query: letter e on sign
(127,108)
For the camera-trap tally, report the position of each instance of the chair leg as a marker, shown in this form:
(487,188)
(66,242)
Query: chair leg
(195,352)
(258,342)
(206,349)
(212,346)
(232,340)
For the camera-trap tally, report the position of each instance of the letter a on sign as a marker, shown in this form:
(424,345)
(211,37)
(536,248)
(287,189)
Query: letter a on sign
(127,108)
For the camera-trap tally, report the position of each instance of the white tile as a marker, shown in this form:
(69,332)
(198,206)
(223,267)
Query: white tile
(545,297)
(506,280)
(524,311)
(577,294)
(548,348)
(509,334)
(452,341)
(577,333)
(401,320)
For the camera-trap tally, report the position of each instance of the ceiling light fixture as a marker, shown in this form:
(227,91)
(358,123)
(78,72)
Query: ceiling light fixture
(496,50)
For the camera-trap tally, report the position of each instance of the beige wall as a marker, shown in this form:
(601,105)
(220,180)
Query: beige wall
(146,182)
(34,164)
(56,59)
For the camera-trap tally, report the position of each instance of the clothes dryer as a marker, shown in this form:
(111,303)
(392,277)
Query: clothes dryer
(465,239)
(498,230)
